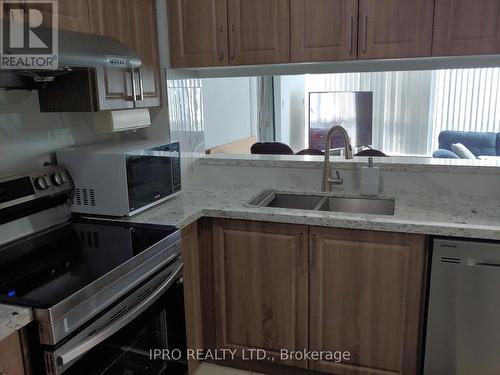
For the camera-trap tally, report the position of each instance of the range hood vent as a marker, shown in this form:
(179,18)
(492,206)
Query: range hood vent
(76,50)
(79,50)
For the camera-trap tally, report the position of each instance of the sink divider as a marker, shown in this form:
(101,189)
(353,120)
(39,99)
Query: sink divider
(320,203)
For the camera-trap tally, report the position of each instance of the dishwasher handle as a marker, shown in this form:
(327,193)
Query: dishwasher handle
(486,263)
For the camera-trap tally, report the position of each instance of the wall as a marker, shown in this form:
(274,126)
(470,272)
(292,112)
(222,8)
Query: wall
(227,110)
(29,138)
(290,111)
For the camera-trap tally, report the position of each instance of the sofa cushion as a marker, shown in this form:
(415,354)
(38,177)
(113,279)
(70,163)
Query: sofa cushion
(478,143)
(462,151)
(445,154)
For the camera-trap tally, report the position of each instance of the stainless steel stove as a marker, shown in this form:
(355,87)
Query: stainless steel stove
(104,293)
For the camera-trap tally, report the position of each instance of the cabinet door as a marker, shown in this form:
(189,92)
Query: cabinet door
(395,28)
(112,18)
(11,357)
(464,27)
(192,291)
(259,31)
(261,293)
(145,45)
(323,30)
(198,33)
(366,296)
(73,15)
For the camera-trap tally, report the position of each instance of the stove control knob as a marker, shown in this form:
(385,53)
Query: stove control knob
(41,183)
(57,179)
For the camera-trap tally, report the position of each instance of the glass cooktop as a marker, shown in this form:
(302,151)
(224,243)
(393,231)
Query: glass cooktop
(46,268)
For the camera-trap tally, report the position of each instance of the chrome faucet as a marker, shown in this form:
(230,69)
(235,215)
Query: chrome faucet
(327,181)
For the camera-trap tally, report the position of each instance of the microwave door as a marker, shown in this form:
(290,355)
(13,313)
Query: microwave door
(149,179)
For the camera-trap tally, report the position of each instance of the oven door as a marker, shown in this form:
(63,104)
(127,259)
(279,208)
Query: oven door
(152,175)
(122,341)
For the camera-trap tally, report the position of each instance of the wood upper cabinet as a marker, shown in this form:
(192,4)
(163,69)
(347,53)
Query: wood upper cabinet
(198,33)
(395,28)
(111,18)
(323,30)
(259,31)
(145,44)
(11,356)
(366,297)
(464,27)
(73,15)
(260,285)
(133,23)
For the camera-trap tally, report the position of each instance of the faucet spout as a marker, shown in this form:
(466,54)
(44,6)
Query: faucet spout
(327,181)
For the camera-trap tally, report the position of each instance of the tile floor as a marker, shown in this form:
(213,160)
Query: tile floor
(210,369)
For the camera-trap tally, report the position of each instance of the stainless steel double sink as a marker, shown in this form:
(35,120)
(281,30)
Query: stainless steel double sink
(324,202)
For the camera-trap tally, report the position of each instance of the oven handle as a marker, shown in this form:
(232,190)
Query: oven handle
(82,348)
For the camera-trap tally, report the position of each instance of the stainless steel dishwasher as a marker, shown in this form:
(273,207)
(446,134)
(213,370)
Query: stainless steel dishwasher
(463,328)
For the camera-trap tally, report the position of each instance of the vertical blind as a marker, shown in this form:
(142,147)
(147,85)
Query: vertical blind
(465,100)
(410,109)
(185,102)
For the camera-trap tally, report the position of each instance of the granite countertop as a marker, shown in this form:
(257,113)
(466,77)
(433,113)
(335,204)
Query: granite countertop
(468,217)
(392,164)
(13,318)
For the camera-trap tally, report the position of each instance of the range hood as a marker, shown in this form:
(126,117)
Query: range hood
(76,50)
(79,50)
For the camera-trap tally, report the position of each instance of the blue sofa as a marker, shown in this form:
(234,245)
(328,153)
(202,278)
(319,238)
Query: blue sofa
(485,144)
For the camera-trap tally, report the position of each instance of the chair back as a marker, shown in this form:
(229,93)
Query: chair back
(271,148)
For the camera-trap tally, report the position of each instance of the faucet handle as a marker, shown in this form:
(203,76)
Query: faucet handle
(338,181)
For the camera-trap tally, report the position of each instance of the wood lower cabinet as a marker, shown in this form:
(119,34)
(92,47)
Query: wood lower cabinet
(261,286)
(464,27)
(11,356)
(192,291)
(366,297)
(395,28)
(323,30)
(198,33)
(259,31)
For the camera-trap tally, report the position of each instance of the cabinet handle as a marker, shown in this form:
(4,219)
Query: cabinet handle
(365,37)
(301,249)
(220,45)
(141,84)
(134,89)
(233,53)
(351,25)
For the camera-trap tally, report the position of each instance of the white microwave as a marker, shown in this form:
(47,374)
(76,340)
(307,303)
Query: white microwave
(122,179)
